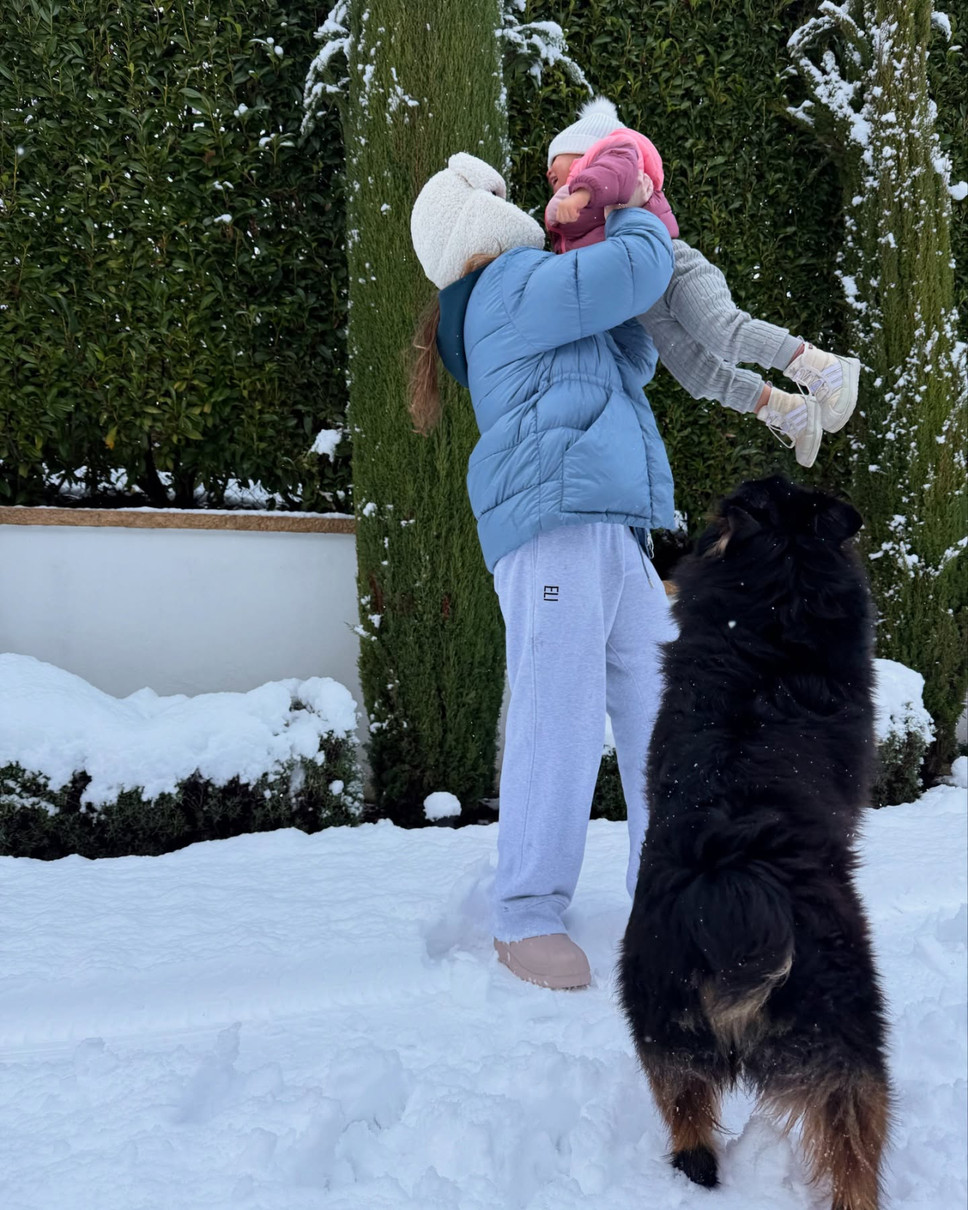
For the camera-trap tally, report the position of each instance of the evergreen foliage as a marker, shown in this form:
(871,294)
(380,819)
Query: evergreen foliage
(864,66)
(171,268)
(948,83)
(424,81)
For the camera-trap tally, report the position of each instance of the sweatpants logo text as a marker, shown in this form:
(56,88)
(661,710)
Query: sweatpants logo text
(551,592)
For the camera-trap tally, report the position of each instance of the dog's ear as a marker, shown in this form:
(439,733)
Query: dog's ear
(836,520)
(740,522)
(733,522)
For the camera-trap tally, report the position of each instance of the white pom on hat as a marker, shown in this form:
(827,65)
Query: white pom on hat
(596,119)
(462,211)
(600,105)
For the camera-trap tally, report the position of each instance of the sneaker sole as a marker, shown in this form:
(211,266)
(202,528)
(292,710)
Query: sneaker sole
(808,445)
(833,419)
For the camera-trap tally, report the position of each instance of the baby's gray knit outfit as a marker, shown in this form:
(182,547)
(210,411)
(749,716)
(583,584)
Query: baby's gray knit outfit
(701,336)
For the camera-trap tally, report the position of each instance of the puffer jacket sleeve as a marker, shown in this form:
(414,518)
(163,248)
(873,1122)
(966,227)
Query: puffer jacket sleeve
(611,177)
(582,293)
(637,349)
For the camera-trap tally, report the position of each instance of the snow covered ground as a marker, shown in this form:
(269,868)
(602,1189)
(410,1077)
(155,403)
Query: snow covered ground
(282,1021)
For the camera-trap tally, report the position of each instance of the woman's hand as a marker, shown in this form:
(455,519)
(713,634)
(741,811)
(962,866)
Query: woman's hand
(640,194)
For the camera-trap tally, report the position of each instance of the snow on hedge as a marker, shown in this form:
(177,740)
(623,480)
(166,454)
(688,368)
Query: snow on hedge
(56,724)
(898,701)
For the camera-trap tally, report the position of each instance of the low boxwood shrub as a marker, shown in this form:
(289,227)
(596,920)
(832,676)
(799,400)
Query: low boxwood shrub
(206,768)
(904,732)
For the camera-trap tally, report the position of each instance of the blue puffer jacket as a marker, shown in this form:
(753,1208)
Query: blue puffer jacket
(556,364)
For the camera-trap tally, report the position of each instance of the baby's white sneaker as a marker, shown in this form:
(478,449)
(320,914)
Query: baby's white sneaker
(831,380)
(795,421)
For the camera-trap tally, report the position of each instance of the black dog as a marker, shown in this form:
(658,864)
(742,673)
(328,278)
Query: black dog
(747,954)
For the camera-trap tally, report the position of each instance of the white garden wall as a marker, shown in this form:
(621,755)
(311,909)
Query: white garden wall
(180,610)
(183,610)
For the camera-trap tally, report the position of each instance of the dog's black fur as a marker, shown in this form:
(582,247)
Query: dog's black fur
(747,953)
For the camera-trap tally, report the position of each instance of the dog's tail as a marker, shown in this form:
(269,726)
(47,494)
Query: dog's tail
(741,920)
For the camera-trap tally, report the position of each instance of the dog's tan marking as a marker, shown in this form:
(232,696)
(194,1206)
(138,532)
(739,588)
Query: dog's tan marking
(688,1103)
(845,1118)
(737,1024)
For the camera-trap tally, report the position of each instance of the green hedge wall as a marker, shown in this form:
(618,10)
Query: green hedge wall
(703,79)
(176,347)
(172,278)
(948,74)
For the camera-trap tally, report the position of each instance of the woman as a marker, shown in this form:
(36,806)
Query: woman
(569,461)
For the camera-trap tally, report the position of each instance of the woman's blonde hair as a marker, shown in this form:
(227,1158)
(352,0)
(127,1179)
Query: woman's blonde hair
(424,393)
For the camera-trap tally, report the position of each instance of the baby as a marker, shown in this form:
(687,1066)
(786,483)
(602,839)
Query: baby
(698,331)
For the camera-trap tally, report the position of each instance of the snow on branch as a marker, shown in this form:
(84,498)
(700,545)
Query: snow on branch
(835,101)
(943,22)
(334,36)
(543,42)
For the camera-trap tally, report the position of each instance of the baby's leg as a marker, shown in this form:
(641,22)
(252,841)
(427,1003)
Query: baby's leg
(699,372)
(699,298)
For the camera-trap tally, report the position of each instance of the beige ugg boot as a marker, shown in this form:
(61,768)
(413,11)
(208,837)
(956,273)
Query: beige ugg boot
(549,961)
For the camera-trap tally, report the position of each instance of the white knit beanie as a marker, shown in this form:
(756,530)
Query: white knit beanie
(596,119)
(462,211)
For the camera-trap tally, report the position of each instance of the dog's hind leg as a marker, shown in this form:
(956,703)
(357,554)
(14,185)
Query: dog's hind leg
(689,1103)
(826,1068)
(844,1118)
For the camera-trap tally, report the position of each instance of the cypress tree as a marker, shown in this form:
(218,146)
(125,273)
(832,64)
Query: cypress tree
(424,81)
(864,65)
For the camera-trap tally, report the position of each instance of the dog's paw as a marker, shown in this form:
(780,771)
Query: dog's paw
(699,1164)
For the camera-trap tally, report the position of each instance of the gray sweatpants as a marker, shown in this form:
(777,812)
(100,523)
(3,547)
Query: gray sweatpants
(701,335)
(584,614)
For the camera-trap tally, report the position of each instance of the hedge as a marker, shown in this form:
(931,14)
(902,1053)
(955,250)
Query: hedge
(84,772)
(172,277)
(176,346)
(47,822)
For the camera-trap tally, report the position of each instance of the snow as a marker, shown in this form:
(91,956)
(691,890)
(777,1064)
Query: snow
(943,22)
(57,724)
(326,442)
(441,805)
(248,494)
(543,42)
(286,1022)
(959,773)
(898,701)
(959,191)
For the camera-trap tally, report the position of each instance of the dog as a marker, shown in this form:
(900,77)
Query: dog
(747,955)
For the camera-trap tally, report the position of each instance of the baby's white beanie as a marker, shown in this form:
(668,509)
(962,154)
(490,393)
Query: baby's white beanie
(462,211)
(596,119)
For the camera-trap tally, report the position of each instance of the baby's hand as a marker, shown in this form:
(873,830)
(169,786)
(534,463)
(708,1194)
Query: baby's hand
(640,195)
(571,206)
